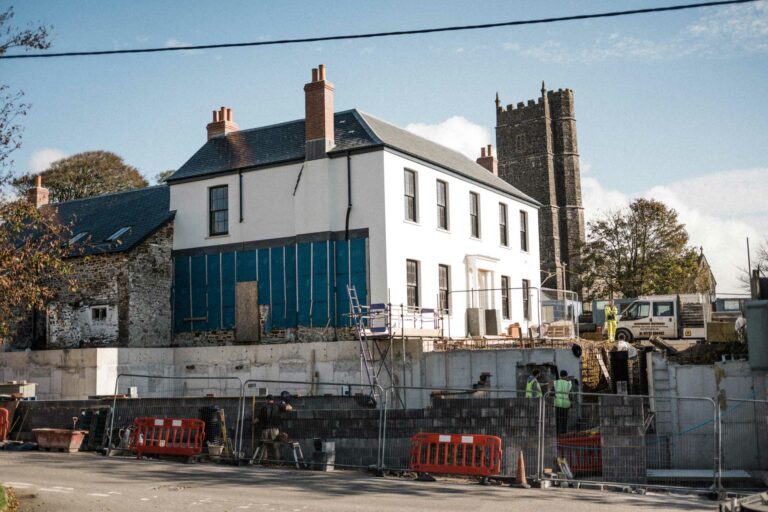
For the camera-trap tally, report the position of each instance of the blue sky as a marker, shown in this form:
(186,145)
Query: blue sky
(665,103)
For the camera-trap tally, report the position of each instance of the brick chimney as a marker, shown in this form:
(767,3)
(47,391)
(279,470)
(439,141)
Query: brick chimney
(38,194)
(318,96)
(222,123)
(489,161)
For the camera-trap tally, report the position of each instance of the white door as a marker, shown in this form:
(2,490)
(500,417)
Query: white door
(484,284)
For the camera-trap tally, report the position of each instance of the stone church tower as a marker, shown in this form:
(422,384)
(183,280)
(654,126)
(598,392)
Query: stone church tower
(538,154)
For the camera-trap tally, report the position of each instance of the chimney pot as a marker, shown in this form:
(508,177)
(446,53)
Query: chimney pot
(487,160)
(319,116)
(38,194)
(222,123)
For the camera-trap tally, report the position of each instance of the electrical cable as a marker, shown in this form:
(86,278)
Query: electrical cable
(371,35)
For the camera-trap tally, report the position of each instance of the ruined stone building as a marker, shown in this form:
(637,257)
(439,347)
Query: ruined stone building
(538,155)
(121,262)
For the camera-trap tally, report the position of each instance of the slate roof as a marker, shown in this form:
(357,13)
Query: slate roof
(353,130)
(144,210)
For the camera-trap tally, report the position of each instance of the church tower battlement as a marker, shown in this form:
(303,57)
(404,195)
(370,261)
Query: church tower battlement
(538,154)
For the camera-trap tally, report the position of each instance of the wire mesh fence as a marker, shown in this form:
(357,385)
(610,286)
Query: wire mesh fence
(627,439)
(217,401)
(744,439)
(506,414)
(692,442)
(312,425)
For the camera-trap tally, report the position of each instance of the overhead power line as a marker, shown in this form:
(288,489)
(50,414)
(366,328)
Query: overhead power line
(371,35)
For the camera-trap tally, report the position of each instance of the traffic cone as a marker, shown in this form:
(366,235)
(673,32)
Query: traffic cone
(520,480)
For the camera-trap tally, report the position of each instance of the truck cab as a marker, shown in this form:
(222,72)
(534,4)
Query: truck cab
(663,316)
(645,318)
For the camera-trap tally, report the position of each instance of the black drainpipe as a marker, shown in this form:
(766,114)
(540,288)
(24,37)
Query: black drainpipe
(349,194)
(240,193)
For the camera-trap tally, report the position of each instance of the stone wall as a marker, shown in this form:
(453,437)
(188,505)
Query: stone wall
(538,154)
(131,291)
(292,335)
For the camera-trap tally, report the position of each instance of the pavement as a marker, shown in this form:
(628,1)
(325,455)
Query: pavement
(81,482)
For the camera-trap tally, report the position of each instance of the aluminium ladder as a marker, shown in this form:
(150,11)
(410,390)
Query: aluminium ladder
(366,357)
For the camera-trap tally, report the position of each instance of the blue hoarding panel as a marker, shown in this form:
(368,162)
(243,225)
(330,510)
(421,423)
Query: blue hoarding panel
(320,279)
(304,282)
(199,300)
(246,266)
(278,287)
(263,262)
(214,292)
(228,290)
(290,285)
(342,279)
(358,263)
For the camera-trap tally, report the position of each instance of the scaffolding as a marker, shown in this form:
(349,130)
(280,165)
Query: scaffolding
(378,326)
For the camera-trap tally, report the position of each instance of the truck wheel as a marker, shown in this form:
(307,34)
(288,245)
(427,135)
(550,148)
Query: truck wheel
(623,335)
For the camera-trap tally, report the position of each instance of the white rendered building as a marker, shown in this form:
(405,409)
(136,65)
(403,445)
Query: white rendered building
(302,209)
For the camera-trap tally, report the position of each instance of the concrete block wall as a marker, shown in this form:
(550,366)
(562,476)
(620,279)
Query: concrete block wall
(623,439)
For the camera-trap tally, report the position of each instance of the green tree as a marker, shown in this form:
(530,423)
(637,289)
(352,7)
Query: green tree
(640,250)
(32,255)
(33,264)
(87,174)
(162,176)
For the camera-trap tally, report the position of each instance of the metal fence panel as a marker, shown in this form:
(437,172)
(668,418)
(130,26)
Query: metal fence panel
(507,414)
(330,424)
(626,439)
(192,397)
(744,438)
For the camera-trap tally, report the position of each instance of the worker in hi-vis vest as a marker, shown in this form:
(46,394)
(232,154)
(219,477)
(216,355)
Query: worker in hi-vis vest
(610,319)
(562,402)
(532,387)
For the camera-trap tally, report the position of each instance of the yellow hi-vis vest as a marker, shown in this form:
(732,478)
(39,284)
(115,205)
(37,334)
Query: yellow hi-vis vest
(562,389)
(610,313)
(532,388)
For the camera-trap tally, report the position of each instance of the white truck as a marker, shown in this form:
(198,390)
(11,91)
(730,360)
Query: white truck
(665,316)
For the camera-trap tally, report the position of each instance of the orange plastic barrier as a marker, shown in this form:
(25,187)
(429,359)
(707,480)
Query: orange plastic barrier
(3,424)
(583,452)
(456,454)
(167,436)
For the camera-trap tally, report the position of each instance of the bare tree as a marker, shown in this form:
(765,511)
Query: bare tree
(12,108)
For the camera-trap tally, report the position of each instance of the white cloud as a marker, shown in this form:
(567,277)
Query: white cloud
(457,133)
(719,33)
(41,159)
(719,211)
(175,43)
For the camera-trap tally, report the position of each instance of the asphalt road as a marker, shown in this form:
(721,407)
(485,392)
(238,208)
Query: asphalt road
(83,482)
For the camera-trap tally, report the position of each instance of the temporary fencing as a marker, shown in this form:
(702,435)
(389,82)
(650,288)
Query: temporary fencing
(216,401)
(632,439)
(3,424)
(689,442)
(471,455)
(166,436)
(330,424)
(503,413)
(744,439)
